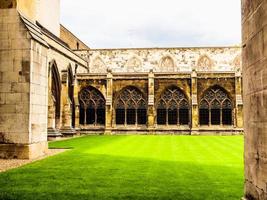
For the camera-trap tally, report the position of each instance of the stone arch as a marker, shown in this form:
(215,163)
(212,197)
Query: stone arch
(173,107)
(92,106)
(216,107)
(205,63)
(98,65)
(167,64)
(237,64)
(134,64)
(54,95)
(130,107)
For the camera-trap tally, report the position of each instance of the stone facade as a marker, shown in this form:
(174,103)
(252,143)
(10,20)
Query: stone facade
(254,22)
(52,87)
(152,71)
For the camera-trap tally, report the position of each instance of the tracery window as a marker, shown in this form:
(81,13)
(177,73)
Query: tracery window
(92,107)
(173,108)
(215,108)
(131,107)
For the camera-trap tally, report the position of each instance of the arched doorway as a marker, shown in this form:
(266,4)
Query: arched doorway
(71,95)
(131,107)
(173,107)
(216,107)
(54,93)
(92,107)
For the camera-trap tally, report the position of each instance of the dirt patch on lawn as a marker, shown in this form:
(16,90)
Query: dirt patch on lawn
(6,164)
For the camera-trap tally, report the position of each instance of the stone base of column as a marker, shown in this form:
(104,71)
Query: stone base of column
(53,134)
(68,131)
(195,132)
(23,151)
(108,132)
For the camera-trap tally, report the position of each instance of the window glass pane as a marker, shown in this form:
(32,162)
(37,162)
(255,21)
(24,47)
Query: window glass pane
(90,116)
(100,116)
(204,117)
(172,117)
(161,116)
(120,116)
(215,116)
(141,116)
(131,116)
(227,116)
(184,117)
(82,115)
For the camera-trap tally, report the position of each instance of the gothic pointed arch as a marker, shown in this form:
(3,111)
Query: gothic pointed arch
(173,107)
(92,107)
(134,64)
(55,91)
(98,65)
(237,65)
(131,107)
(205,63)
(167,64)
(215,107)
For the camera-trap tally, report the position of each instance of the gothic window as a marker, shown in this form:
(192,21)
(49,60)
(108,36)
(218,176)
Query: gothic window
(204,63)
(92,107)
(215,108)
(131,107)
(173,108)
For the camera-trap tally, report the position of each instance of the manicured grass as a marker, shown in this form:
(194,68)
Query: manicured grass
(133,167)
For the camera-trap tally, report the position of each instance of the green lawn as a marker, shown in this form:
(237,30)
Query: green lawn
(133,167)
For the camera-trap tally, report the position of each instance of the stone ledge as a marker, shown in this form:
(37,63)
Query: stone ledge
(20,151)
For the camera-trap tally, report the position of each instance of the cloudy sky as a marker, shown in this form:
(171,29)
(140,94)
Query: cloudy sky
(153,23)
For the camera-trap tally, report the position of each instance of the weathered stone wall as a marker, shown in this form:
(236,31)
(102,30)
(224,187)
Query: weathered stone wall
(19,133)
(163,59)
(254,22)
(71,39)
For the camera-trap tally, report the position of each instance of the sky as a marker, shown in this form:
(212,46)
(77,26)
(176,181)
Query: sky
(153,23)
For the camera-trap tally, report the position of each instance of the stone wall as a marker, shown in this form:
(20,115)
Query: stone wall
(164,59)
(71,39)
(254,22)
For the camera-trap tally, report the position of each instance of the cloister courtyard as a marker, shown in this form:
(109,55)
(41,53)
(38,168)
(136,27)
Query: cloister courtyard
(133,167)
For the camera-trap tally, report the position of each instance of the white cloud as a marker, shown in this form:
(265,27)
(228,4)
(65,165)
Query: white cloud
(150,23)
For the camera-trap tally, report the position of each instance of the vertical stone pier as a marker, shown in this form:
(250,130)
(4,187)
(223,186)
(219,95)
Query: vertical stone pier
(254,21)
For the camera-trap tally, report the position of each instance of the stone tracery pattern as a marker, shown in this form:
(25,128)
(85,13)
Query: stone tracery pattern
(173,104)
(134,64)
(92,107)
(98,66)
(215,107)
(131,107)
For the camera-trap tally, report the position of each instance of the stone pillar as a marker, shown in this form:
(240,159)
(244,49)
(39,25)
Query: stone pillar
(254,44)
(194,104)
(151,105)
(66,118)
(109,108)
(77,105)
(239,102)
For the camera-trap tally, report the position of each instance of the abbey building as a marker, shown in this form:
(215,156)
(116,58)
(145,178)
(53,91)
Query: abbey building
(53,85)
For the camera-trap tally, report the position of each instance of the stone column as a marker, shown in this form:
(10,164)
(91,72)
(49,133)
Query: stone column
(109,108)
(194,104)
(77,105)
(254,44)
(239,102)
(151,105)
(66,118)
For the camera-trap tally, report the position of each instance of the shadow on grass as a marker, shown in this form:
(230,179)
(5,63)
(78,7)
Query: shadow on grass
(74,175)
